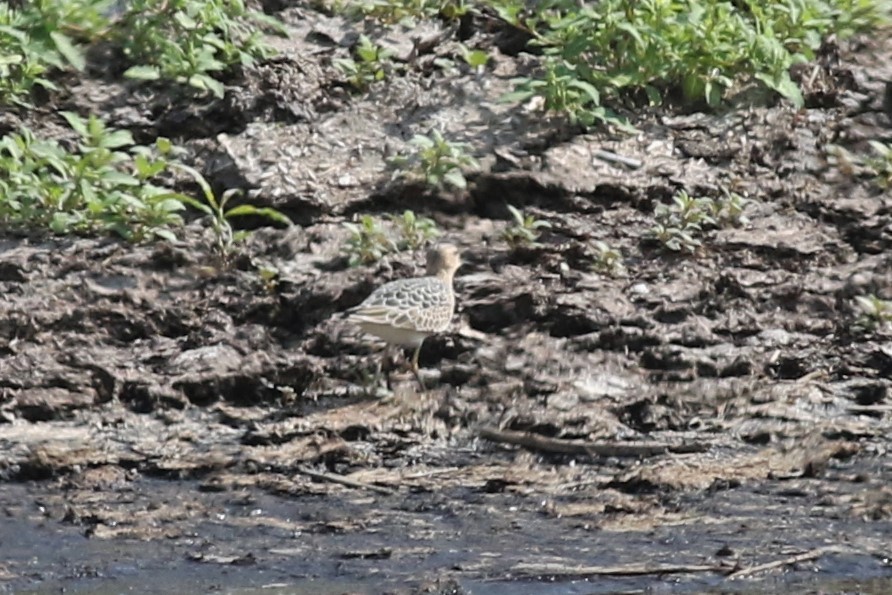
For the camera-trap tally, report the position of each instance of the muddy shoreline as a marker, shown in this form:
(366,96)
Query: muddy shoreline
(158,535)
(166,420)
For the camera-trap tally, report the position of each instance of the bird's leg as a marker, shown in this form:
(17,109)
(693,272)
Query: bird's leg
(415,367)
(389,361)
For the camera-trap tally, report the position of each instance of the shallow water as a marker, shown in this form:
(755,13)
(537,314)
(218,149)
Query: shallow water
(359,544)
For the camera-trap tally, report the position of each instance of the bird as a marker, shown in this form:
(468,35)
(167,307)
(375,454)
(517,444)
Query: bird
(406,311)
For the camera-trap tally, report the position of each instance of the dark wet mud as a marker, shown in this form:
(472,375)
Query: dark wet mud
(709,422)
(181,537)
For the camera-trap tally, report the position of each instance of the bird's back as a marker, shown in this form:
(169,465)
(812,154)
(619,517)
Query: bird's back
(424,304)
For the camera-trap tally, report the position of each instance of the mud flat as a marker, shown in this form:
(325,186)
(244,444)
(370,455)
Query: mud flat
(708,422)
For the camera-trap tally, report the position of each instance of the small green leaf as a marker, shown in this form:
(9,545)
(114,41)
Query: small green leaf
(143,73)
(274,215)
(17,34)
(713,95)
(516,96)
(476,58)
(118,138)
(120,178)
(172,204)
(185,21)
(195,204)
(456,179)
(10,59)
(269,22)
(201,181)
(588,89)
(654,97)
(77,123)
(61,223)
(207,83)
(165,234)
(422,141)
(163,145)
(68,50)
(267,212)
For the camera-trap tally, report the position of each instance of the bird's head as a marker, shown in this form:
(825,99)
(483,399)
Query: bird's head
(443,261)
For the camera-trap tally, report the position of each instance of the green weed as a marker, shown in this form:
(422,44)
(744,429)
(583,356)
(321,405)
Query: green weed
(524,229)
(108,184)
(370,65)
(414,231)
(881,164)
(608,260)
(678,225)
(563,91)
(372,238)
(403,11)
(436,161)
(226,238)
(34,42)
(269,277)
(187,41)
(875,313)
(191,41)
(101,187)
(614,50)
(727,209)
(476,59)
(368,241)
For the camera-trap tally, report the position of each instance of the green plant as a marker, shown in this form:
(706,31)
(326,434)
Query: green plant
(476,59)
(370,65)
(368,241)
(34,40)
(269,277)
(371,238)
(563,91)
(226,238)
(678,224)
(403,11)
(453,10)
(613,51)
(727,210)
(608,260)
(63,23)
(109,184)
(524,230)
(23,65)
(875,312)
(191,41)
(881,163)
(100,187)
(435,160)
(188,41)
(413,230)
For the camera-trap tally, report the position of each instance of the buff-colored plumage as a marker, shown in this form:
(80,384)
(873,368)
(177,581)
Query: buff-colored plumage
(405,312)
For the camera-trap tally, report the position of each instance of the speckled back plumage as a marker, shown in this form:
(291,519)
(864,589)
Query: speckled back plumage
(421,304)
(406,311)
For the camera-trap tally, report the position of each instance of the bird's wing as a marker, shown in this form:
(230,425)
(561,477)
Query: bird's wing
(399,303)
(397,319)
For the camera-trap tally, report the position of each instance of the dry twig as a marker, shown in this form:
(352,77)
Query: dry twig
(560,570)
(345,481)
(795,559)
(602,449)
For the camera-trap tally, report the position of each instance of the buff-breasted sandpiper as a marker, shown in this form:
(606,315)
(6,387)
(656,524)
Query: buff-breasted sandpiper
(407,311)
